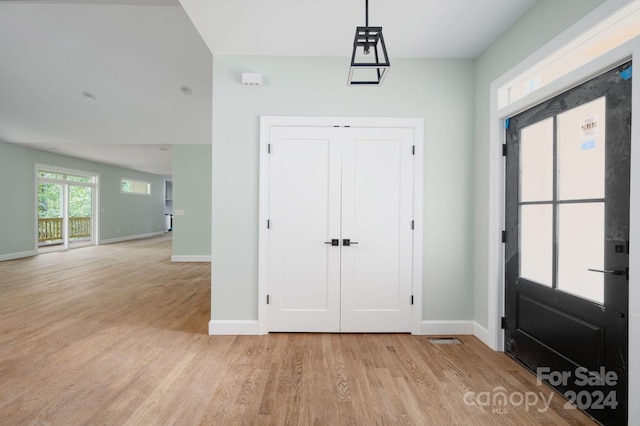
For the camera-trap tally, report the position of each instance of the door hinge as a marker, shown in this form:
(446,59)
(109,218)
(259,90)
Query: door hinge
(504,236)
(268,223)
(503,323)
(413,224)
(412,299)
(413,150)
(269,148)
(504,150)
(267,299)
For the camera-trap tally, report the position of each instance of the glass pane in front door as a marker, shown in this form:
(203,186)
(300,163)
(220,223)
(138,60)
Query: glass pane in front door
(580,248)
(581,151)
(536,236)
(536,162)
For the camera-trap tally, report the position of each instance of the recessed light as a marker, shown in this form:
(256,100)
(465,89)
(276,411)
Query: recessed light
(185,90)
(89,95)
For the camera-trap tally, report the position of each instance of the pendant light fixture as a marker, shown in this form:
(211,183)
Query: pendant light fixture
(369,60)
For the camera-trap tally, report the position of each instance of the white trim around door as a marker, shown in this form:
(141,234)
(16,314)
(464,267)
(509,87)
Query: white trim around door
(269,122)
(495,336)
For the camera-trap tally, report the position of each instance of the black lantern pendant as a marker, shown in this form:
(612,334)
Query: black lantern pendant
(369,60)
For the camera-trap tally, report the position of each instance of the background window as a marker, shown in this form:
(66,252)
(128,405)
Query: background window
(130,186)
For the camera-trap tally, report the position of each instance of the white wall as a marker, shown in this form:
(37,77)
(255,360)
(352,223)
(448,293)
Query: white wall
(440,91)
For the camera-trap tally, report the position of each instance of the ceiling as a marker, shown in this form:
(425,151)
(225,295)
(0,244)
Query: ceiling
(412,28)
(106,80)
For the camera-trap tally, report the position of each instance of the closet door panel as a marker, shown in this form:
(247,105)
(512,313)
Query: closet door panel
(304,272)
(377,205)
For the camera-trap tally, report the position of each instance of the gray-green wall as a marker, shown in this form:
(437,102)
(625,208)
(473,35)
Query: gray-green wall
(122,216)
(17,200)
(192,193)
(544,21)
(440,91)
(453,98)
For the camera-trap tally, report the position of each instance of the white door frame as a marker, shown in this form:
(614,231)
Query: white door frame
(627,51)
(266,123)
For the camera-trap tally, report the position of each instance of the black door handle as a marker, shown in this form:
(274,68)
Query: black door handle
(334,242)
(347,242)
(608,272)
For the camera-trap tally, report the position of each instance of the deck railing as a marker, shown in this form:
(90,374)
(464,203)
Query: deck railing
(50,229)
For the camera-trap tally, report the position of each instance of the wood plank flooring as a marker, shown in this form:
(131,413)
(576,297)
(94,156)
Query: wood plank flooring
(117,334)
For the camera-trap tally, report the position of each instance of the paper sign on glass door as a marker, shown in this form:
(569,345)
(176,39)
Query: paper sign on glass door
(589,127)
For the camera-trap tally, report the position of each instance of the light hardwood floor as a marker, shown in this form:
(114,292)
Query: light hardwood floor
(117,334)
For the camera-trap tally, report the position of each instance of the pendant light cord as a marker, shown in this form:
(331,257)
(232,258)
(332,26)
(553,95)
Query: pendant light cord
(366,16)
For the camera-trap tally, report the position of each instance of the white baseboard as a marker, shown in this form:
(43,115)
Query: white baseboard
(226,327)
(130,237)
(429,328)
(185,258)
(433,328)
(481,333)
(18,255)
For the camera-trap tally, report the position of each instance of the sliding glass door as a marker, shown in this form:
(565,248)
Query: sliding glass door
(66,208)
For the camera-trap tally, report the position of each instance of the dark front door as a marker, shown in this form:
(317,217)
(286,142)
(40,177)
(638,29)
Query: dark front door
(567,242)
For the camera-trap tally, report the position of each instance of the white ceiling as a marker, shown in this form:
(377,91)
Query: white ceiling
(134,56)
(412,28)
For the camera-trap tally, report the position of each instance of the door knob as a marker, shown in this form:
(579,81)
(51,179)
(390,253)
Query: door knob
(333,242)
(347,242)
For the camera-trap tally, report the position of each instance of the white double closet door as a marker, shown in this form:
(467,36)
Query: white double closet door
(327,186)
